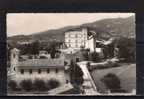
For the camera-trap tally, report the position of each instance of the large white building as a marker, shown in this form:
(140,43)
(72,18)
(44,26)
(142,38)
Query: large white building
(38,68)
(78,37)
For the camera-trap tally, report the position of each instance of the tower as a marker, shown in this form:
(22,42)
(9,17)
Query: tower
(85,33)
(14,59)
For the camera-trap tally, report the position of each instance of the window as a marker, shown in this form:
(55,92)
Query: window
(67,81)
(66,35)
(39,71)
(69,45)
(69,40)
(56,71)
(13,55)
(66,40)
(30,71)
(22,71)
(48,70)
(72,40)
(72,35)
(14,68)
(79,35)
(77,60)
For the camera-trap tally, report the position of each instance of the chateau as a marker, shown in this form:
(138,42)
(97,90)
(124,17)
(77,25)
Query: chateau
(78,37)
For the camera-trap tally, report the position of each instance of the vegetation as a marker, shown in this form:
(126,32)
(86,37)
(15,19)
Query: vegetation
(76,74)
(12,85)
(117,26)
(52,83)
(95,57)
(112,82)
(127,49)
(39,85)
(32,48)
(85,53)
(52,49)
(26,85)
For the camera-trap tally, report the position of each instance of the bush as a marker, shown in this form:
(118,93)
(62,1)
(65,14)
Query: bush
(127,49)
(12,85)
(52,83)
(26,85)
(111,81)
(39,85)
(76,74)
(95,57)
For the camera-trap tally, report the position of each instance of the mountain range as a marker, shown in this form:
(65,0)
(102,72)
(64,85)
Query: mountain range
(114,26)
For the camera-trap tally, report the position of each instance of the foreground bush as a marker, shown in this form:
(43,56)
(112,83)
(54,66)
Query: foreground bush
(52,83)
(111,81)
(12,85)
(26,85)
(39,85)
(76,74)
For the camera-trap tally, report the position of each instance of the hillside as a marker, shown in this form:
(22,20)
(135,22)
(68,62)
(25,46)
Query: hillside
(115,26)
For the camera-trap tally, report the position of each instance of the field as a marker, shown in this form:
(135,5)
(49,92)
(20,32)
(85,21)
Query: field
(126,74)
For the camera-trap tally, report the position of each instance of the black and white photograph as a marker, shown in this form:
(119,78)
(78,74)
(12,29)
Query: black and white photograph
(68,54)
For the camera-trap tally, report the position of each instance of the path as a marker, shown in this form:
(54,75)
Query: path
(89,86)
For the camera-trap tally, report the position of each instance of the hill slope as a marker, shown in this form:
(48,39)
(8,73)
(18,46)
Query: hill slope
(115,26)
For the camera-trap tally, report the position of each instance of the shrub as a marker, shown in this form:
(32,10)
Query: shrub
(39,85)
(26,85)
(76,74)
(127,49)
(111,81)
(95,57)
(52,83)
(12,85)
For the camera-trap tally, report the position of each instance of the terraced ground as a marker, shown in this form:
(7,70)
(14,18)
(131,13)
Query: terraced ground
(126,74)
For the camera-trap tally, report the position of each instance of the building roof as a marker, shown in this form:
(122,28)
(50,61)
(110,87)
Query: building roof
(76,29)
(54,63)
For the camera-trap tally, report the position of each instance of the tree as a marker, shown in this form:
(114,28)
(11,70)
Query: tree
(31,48)
(12,85)
(95,57)
(39,85)
(52,83)
(85,53)
(35,46)
(76,74)
(53,49)
(127,49)
(27,85)
(112,82)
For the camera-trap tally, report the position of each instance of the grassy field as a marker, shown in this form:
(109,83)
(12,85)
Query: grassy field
(126,74)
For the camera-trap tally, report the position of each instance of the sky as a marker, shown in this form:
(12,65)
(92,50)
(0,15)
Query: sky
(29,23)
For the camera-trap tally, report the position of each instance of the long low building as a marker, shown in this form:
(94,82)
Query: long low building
(38,68)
